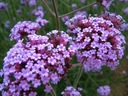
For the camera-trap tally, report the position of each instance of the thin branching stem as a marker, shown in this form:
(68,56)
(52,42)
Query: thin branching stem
(78,9)
(57,15)
(53,93)
(48,8)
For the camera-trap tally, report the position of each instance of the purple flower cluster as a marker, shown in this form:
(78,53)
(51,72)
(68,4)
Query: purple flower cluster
(38,12)
(3,6)
(24,28)
(105,3)
(98,40)
(29,2)
(104,90)
(71,91)
(41,61)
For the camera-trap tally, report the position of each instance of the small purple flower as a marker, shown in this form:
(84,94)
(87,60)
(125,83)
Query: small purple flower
(32,94)
(38,12)
(42,22)
(82,1)
(65,18)
(104,90)
(32,3)
(7,24)
(105,3)
(126,10)
(74,6)
(23,1)
(80,13)
(47,88)
(3,6)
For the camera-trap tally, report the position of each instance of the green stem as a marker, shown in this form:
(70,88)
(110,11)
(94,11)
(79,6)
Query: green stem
(57,15)
(67,80)
(77,9)
(48,8)
(78,76)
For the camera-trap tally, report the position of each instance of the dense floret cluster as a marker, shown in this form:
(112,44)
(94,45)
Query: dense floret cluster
(98,40)
(24,28)
(104,90)
(71,91)
(41,61)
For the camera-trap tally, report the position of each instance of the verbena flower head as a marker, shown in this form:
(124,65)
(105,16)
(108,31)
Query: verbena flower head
(38,12)
(32,3)
(23,28)
(42,60)
(7,24)
(3,6)
(104,90)
(99,42)
(71,91)
(105,3)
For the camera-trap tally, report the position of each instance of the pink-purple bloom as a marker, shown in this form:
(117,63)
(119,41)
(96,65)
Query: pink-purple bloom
(99,41)
(37,62)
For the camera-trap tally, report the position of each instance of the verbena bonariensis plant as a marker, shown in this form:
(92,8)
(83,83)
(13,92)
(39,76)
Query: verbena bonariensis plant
(36,60)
